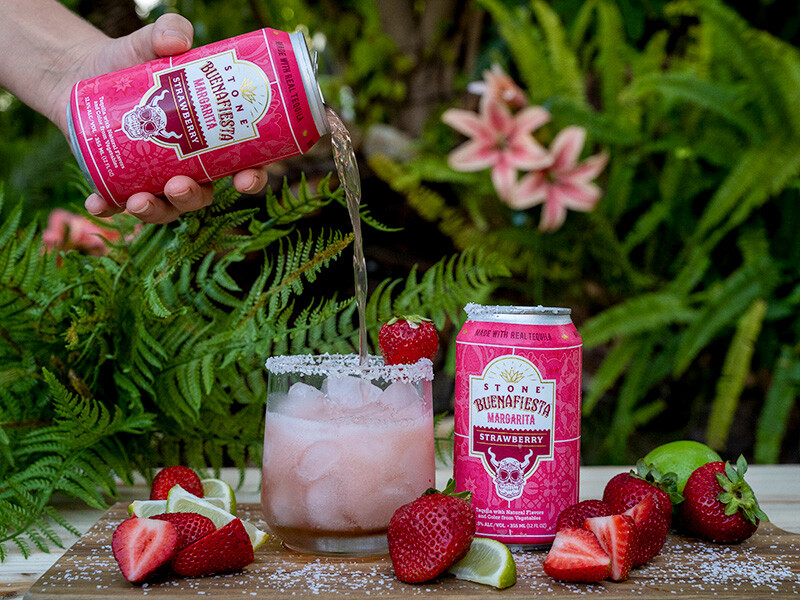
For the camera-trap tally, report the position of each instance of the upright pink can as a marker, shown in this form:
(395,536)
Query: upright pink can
(242,102)
(517,419)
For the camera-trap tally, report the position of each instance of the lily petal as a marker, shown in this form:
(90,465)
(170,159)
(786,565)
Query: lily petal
(465,121)
(472,156)
(504,178)
(567,146)
(529,191)
(589,168)
(554,213)
(531,118)
(578,195)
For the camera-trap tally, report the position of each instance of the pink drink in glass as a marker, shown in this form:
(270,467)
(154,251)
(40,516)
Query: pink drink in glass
(517,419)
(344,447)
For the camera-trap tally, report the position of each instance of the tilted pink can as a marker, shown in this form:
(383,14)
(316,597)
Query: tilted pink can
(214,110)
(517,419)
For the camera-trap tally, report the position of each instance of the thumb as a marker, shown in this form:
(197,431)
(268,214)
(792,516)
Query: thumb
(171,34)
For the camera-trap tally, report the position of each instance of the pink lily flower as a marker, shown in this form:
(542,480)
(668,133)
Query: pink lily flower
(565,184)
(499,85)
(66,230)
(500,141)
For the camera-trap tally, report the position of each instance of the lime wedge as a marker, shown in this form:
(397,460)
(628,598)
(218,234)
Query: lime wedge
(178,492)
(147,508)
(218,489)
(186,502)
(488,562)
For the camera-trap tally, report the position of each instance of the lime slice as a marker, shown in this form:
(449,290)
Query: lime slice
(147,508)
(186,502)
(218,489)
(488,562)
(178,492)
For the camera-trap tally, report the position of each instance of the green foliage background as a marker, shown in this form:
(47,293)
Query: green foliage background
(684,281)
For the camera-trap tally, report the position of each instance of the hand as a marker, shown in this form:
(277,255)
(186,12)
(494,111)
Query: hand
(171,34)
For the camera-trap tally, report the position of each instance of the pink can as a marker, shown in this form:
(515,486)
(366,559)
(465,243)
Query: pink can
(242,102)
(518,419)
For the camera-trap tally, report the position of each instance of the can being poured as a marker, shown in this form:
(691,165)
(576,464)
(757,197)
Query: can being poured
(517,419)
(214,110)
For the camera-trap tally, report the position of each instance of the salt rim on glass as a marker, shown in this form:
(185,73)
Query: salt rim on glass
(349,364)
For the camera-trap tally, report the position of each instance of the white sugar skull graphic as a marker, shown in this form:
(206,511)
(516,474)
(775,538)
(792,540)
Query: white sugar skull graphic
(147,120)
(509,478)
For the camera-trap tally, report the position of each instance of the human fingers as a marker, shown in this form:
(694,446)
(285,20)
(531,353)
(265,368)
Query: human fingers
(151,209)
(186,194)
(171,34)
(97,205)
(250,181)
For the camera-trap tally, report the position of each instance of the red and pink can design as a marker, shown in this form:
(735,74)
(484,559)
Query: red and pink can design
(242,102)
(517,419)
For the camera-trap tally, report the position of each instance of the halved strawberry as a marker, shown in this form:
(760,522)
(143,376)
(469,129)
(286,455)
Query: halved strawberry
(651,529)
(141,546)
(576,555)
(617,536)
(166,478)
(226,549)
(190,526)
(575,515)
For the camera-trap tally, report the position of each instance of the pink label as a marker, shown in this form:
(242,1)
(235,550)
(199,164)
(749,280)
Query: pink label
(206,113)
(517,412)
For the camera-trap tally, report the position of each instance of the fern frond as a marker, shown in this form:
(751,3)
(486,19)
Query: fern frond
(734,372)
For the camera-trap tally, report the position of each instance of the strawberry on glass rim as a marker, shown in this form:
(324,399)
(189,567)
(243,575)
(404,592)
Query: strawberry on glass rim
(407,339)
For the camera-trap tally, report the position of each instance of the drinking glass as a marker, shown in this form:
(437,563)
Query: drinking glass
(345,445)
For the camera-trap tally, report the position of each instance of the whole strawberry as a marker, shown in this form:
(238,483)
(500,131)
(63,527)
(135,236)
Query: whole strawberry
(166,478)
(405,340)
(190,526)
(431,533)
(628,489)
(719,504)
(575,515)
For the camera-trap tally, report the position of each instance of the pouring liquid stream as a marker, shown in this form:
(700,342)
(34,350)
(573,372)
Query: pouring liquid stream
(345,160)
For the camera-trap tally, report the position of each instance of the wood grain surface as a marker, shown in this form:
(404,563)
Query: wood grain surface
(767,565)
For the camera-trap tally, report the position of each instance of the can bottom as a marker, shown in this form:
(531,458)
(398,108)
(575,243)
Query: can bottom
(528,547)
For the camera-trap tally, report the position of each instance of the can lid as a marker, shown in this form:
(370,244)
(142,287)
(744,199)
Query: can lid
(308,73)
(518,314)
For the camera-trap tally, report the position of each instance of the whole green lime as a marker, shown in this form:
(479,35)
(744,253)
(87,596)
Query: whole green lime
(681,457)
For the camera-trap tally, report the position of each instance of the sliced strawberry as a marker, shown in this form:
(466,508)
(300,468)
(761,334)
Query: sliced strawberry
(651,529)
(575,515)
(191,526)
(166,478)
(576,555)
(617,536)
(226,549)
(141,546)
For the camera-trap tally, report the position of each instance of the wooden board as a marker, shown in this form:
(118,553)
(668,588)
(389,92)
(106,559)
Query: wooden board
(767,565)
